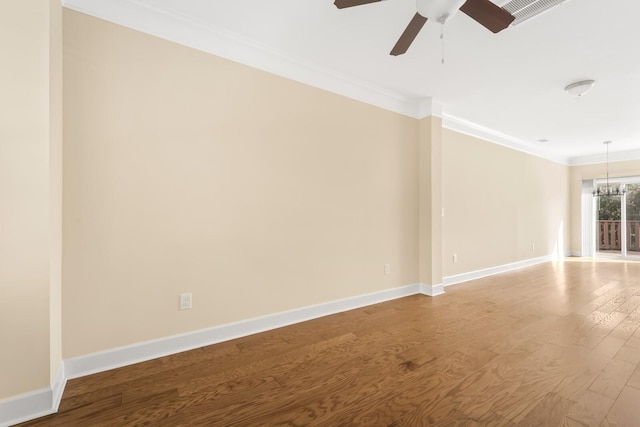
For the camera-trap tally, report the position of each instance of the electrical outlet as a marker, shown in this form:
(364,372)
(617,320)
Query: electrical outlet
(387,269)
(454,258)
(533,247)
(186,301)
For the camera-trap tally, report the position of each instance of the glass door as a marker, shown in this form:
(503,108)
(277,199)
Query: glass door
(632,214)
(609,226)
(616,233)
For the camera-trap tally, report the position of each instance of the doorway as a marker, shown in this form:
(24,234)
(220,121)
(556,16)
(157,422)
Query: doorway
(617,221)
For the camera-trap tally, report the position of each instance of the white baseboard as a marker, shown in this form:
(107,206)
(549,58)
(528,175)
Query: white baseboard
(46,401)
(478,274)
(34,404)
(26,407)
(59,383)
(432,290)
(122,356)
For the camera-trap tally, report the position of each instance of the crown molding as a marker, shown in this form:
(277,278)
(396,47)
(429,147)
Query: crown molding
(473,129)
(428,107)
(615,157)
(169,24)
(141,15)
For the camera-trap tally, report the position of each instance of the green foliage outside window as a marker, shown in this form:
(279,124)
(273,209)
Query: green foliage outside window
(609,206)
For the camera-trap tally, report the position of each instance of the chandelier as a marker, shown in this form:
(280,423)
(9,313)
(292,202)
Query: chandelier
(608,189)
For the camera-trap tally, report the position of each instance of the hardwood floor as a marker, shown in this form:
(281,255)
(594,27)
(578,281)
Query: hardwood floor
(552,345)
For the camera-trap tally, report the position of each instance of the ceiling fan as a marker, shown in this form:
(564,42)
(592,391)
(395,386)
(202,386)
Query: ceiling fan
(486,13)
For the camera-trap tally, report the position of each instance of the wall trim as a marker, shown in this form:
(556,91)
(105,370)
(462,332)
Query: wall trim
(487,134)
(59,383)
(478,274)
(34,404)
(432,290)
(615,157)
(122,356)
(46,401)
(127,355)
(27,406)
(170,24)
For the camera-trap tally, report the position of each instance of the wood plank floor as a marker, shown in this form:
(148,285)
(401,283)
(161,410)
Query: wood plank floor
(557,344)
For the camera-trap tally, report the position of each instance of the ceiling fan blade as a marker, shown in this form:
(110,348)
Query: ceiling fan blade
(409,35)
(341,4)
(487,14)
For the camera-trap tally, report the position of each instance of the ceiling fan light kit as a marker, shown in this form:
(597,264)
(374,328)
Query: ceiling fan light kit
(580,88)
(438,10)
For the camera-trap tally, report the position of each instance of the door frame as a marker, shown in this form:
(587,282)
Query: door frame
(590,218)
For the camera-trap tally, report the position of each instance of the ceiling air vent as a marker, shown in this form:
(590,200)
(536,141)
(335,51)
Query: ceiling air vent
(527,9)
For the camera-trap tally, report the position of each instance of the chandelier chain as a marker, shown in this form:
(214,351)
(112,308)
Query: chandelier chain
(619,190)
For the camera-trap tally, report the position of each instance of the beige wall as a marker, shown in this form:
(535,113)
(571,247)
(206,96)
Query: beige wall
(185,172)
(597,171)
(27,217)
(430,200)
(497,203)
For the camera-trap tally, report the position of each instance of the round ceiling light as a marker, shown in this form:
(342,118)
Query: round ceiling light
(580,88)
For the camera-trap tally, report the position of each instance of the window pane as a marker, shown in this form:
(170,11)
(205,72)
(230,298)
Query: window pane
(609,225)
(633,219)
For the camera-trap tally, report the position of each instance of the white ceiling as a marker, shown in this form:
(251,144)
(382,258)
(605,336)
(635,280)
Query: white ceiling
(505,87)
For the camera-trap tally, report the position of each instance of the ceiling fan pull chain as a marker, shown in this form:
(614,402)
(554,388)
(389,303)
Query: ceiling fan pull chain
(442,39)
